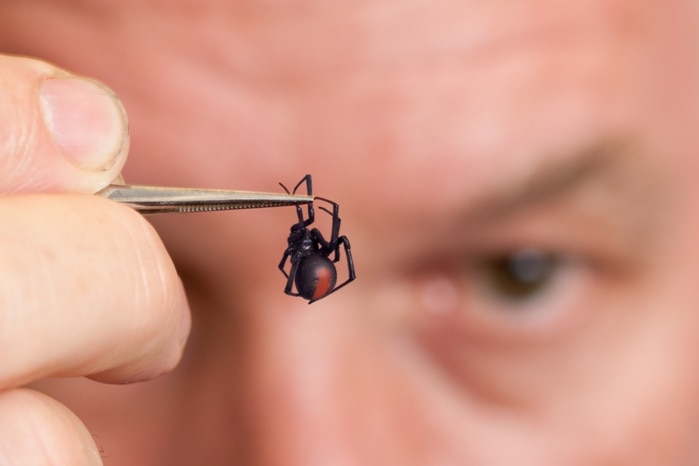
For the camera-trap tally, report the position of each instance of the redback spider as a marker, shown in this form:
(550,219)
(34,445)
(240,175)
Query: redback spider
(313,275)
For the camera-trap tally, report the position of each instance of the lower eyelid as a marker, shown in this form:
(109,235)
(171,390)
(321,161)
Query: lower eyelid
(460,301)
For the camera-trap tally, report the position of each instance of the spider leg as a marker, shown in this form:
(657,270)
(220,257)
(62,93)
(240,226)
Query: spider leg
(299,210)
(326,247)
(292,272)
(336,219)
(343,242)
(282,263)
(309,185)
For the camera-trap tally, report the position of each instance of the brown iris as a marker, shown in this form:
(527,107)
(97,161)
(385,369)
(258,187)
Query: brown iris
(520,274)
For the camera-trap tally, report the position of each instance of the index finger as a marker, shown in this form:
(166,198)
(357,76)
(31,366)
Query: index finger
(86,288)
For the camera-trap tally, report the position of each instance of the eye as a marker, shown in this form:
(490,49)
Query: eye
(509,297)
(512,292)
(520,275)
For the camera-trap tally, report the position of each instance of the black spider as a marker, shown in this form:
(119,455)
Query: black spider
(313,274)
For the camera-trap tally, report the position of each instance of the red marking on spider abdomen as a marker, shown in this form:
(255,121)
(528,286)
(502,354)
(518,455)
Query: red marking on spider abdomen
(315,277)
(324,282)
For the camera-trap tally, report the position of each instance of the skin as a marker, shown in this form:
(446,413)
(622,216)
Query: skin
(451,134)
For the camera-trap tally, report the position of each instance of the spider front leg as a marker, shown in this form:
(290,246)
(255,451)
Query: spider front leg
(309,184)
(299,211)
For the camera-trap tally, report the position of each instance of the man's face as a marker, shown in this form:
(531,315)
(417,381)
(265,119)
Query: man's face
(517,180)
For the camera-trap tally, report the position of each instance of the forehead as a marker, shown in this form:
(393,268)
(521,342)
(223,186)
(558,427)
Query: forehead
(391,92)
(522,87)
(493,90)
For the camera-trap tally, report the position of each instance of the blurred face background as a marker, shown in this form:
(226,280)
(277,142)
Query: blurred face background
(518,183)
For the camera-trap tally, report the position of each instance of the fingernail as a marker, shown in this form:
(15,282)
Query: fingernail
(86,120)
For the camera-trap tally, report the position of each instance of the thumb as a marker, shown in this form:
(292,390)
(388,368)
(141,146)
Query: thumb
(58,132)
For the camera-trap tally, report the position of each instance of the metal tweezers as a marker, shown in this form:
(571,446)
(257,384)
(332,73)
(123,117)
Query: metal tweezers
(157,200)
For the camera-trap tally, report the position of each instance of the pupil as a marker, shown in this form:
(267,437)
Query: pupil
(521,274)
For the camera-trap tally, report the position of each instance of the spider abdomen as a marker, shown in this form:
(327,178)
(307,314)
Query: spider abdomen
(316,277)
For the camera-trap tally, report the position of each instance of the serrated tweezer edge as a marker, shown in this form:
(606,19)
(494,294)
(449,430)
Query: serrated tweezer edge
(158,200)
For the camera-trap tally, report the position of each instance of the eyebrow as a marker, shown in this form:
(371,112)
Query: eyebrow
(548,181)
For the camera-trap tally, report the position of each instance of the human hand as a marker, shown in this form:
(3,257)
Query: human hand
(86,286)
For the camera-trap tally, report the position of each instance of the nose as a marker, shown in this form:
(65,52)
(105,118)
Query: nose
(303,387)
(315,392)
